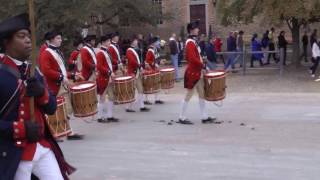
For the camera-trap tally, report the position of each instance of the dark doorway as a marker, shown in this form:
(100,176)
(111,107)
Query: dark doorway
(198,12)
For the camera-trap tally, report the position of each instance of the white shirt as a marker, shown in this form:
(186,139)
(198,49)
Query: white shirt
(315,50)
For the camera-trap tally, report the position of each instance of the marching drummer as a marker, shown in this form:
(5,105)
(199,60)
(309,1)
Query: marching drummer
(135,69)
(193,75)
(75,56)
(114,51)
(104,81)
(88,59)
(151,62)
(52,66)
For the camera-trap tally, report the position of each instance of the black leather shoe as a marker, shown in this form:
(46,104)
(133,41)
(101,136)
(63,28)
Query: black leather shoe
(130,110)
(113,119)
(144,109)
(209,120)
(100,120)
(147,103)
(75,137)
(159,102)
(185,122)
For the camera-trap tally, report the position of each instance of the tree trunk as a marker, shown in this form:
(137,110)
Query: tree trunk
(295,30)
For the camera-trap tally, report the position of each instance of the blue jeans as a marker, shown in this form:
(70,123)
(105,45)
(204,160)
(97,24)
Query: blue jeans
(175,63)
(231,61)
(211,65)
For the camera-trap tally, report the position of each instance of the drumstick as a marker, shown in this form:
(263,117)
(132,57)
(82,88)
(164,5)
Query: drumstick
(33,53)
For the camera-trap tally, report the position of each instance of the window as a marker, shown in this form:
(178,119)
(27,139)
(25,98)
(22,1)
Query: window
(159,3)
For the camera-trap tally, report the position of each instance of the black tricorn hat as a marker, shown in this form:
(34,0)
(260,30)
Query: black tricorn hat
(90,37)
(193,25)
(14,24)
(115,34)
(105,37)
(52,34)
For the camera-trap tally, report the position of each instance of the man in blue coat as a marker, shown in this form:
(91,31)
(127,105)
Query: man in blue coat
(26,145)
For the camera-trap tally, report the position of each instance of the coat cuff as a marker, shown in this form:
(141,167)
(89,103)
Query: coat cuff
(43,99)
(19,131)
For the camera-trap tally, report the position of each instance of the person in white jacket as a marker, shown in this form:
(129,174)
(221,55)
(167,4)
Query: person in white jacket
(316,57)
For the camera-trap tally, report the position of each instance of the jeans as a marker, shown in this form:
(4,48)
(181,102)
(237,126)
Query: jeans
(231,61)
(174,61)
(315,65)
(211,65)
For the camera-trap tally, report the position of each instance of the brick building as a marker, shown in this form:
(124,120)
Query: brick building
(183,11)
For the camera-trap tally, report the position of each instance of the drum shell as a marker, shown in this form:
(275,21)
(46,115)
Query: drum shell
(124,90)
(58,122)
(84,100)
(215,86)
(167,78)
(151,82)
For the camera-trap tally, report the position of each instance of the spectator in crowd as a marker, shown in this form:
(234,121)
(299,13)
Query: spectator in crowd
(142,45)
(218,48)
(313,37)
(240,47)
(283,46)
(305,42)
(265,44)
(272,46)
(256,46)
(316,57)
(181,50)
(211,54)
(202,44)
(174,53)
(232,49)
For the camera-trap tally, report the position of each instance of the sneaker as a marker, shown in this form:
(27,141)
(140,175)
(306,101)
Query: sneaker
(313,75)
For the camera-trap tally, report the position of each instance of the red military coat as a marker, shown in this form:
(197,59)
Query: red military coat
(104,68)
(115,54)
(151,58)
(72,61)
(53,70)
(133,61)
(193,71)
(88,61)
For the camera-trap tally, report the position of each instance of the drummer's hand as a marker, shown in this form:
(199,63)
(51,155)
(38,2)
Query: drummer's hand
(113,75)
(66,82)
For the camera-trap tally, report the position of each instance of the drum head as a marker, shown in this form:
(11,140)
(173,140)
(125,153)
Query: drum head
(123,78)
(215,74)
(82,86)
(167,70)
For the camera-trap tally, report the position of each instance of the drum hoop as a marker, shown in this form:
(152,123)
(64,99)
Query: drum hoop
(123,81)
(82,91)
(87,82)
(150,75)
(124,102)
(85,115)
(216,99)
(215,76)
(167,70)
(66,133)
